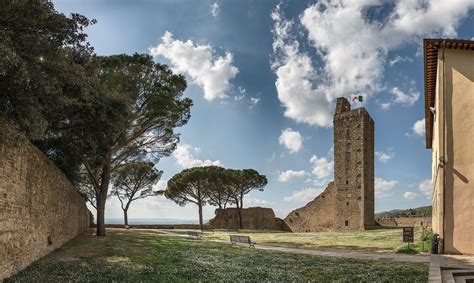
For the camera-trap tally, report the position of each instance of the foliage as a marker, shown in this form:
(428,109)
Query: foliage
(241,182)
(154,107)
(424,211)
(216,187)
(190,186)
(49,84)
(150,257)
(133,181)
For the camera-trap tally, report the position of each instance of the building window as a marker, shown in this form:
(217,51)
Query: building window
(347,203)
(347,182)
(347,223)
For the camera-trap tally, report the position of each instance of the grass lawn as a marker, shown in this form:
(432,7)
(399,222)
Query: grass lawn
(377,240)
(139,256)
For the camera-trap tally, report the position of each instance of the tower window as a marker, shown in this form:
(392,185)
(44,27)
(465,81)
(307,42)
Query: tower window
(347,182)
(347,223)
(347,203)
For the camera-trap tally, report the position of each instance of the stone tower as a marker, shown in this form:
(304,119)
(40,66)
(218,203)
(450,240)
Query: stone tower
(353,167)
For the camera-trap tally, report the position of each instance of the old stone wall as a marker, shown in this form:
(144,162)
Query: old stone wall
(40,210)
(348,201)
(255,218)
(405,221)
(353,167)
(316,216)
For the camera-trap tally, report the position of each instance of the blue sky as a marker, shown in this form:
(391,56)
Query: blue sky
(264,76)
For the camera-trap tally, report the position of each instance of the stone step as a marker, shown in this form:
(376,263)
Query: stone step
(457,275)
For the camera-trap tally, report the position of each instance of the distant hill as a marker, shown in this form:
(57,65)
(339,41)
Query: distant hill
(424,211)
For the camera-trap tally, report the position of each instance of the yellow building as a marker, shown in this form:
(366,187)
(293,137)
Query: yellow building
(449,117)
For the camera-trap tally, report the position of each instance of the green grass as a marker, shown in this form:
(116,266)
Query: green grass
(387,240)
(138,256)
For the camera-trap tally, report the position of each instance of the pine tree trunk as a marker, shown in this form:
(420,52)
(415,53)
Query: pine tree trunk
(200,216)
(102,197)
(239,209)
(125,217)
(100,215)
(240,213)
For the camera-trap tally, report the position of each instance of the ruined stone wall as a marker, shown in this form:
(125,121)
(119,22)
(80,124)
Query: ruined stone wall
(40,210)
(317,215)
(255,218)
(353,167)
(348,201)
(405,221)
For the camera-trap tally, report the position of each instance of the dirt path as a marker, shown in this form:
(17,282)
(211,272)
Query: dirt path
(334,253)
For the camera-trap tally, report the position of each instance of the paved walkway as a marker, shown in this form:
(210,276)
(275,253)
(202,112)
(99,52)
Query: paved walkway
(336,253)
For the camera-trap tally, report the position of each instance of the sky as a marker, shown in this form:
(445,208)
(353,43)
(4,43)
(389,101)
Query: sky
(264,77)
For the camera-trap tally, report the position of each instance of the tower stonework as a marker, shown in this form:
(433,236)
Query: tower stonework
(348,202)
(353,167)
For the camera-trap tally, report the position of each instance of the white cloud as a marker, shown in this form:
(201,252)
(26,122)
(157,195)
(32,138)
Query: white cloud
(295,75)
(426,188)
(291,140)
(384,156)
(399,59)
(215,9)
(351,48)
(199,63)
(254,101)
(290,174)
(242,94)
(419,127)
(185,158)
(385,105)
(251,201)
(322,167)
(383,188)
(303,196)
(404,99)
(410,195)
(161,185)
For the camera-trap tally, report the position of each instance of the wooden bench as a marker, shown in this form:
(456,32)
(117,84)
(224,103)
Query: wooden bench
(234,239)
(194,234)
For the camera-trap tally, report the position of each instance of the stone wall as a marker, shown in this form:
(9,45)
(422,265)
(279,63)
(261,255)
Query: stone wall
(316,216)
(254,218)
(348,201)
(40,210)
(405,221)
(353,167)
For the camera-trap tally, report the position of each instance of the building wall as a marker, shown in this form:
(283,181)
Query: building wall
(317,215)
(459,196)
(437,172)
(40,210)
(453,140)
(353,167)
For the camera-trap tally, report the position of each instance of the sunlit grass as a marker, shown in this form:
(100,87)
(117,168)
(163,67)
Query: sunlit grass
(138,256)
(377,240)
